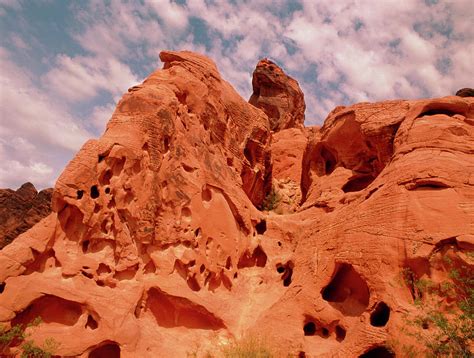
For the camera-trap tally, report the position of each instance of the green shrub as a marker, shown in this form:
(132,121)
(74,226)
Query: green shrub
(271,200)
(451,333)
(16,337)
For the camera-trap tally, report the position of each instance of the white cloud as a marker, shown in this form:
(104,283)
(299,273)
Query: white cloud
(101,115)
(81,78)
(32,128)
(340,52)
(174,16)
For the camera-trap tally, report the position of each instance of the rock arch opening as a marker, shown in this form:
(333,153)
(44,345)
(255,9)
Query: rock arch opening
(109,350)
(347,291)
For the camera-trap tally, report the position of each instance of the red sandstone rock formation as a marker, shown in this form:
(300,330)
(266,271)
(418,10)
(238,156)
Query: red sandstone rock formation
(278,95)
(21,209)
(157,247)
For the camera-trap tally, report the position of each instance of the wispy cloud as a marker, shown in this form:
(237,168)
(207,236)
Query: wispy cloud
(81,78)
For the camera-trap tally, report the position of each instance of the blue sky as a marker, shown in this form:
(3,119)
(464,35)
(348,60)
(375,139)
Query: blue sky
(65,64)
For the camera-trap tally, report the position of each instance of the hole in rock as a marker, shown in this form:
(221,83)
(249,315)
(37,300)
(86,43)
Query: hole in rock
(325,332)
(228,263)
(100,158)
(2,287)
(357,183)
(257,258)
(107,190)
(103,269)
(301,354)
(100,283)
(85,246)
(197,232)
(107,350)
(279,243)
(435,111)
(187,168)
(340,333)
(174,311)
(51,309)
(378,352)
(206,194)
(329,160)
(230,162)
(166,144)
(94,192)
(186,215)
(425,325)
(309,329)
(261,227)
(428,185)
(202,268)
(87,274)
(348,292)
(80,194)
(193,283)
(380,316)
(91,322)
(287,272)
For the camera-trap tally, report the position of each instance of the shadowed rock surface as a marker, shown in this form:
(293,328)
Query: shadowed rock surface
(465,92)
(21,209)
(196,219)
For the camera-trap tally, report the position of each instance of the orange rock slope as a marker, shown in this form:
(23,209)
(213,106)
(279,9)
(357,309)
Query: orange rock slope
(196,220)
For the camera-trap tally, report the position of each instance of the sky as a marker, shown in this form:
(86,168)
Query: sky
(65,64)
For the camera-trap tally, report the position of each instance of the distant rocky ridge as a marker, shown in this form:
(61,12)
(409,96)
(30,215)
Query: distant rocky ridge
(21,209)
(198,218)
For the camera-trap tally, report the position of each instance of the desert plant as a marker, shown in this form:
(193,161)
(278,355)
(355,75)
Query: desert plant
(17,337)
(451,332)
(271,200)
(248,347)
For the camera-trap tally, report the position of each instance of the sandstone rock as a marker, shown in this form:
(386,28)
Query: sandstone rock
(465,92)
(278,95)
(21,209)
(157,247)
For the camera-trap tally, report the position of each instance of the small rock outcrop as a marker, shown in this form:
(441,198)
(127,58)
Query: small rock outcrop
(465,92)
(21,209)
(191,223)
(278,95)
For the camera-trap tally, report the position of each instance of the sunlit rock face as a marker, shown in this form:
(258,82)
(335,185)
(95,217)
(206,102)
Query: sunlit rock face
(278,95)
(198,218)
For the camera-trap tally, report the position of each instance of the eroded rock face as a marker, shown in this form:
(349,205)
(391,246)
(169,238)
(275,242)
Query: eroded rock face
(278,95)
(21,209)
(157,247)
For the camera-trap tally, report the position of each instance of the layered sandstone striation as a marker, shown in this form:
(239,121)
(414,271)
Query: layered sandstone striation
(21,209)
(163,241)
